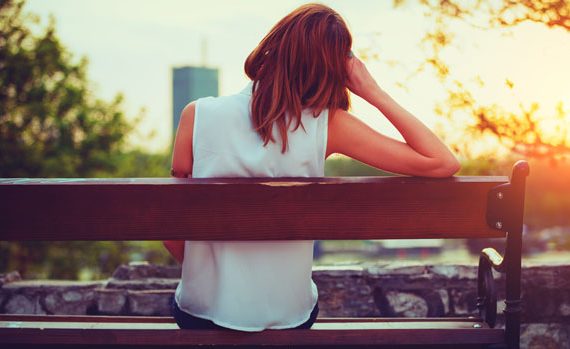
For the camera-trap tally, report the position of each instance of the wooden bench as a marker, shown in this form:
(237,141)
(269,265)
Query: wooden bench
(274,209)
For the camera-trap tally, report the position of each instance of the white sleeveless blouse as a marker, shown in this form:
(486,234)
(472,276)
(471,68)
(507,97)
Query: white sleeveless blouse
(250,286)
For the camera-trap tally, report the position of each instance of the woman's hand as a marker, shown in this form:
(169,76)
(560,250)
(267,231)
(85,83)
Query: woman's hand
(360,82)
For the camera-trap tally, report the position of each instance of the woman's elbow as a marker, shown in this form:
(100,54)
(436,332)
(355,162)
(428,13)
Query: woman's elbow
(446,169)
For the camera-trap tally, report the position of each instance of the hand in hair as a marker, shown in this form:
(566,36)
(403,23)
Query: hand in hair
(422,153)
(360,81)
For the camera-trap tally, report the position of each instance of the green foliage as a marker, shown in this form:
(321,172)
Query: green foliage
(524,131)
(51,124)
(77,259)
(343,166)
(137,163)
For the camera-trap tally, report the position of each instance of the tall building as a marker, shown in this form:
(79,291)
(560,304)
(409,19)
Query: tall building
(188,84)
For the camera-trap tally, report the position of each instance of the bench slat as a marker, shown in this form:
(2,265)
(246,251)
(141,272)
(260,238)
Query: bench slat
(169,319)
(346,332)
(246,208)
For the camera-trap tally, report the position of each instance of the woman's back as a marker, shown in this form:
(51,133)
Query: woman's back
(225,143)
(250,286)
(304,63)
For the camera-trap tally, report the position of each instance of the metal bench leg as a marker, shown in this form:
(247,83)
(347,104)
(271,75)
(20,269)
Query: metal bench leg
(513,290)
(505,212)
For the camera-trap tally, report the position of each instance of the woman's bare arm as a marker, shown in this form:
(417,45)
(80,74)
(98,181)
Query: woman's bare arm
(182,151)
(182,165)
(423,153)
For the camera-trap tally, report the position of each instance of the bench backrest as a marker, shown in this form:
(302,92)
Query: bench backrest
(330,208)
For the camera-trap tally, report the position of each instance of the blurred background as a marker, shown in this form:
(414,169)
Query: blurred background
(95,88)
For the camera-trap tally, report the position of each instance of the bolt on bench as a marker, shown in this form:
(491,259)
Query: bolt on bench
(329,208)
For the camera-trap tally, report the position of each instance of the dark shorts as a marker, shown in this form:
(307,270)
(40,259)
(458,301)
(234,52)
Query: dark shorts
(187,321)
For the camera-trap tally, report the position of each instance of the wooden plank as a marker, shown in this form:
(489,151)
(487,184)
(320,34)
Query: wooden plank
(331,324)
(395,207)
(241,180)
(169,319)
(85,318)
(340,333)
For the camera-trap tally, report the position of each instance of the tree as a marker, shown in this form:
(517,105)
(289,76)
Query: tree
(51,124)
(521,131)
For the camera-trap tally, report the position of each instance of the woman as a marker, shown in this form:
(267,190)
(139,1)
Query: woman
(284,123)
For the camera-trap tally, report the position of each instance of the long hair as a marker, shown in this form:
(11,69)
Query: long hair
(300,63)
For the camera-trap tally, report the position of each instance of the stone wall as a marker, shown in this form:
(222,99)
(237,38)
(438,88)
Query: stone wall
(401,290)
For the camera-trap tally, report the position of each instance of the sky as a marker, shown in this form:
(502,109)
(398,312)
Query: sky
(132,46)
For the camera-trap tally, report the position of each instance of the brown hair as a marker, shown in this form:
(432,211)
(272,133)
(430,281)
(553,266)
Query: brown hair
(300,63)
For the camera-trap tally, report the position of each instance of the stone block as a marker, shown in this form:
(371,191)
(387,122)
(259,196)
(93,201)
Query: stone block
(145,270)
(24,304)
(50,296)
(545,336)
(111,302)
(149,303)
(544,305)
(344,291)
(9,277)
(456,272)
(406,304)
(73,302)
(564,309)
(143,284)
(444,296)
(463,302)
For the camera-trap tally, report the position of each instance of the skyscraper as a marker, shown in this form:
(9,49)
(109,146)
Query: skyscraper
(188,84)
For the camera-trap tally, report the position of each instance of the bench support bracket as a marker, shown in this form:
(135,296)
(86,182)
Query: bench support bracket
(505,208)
